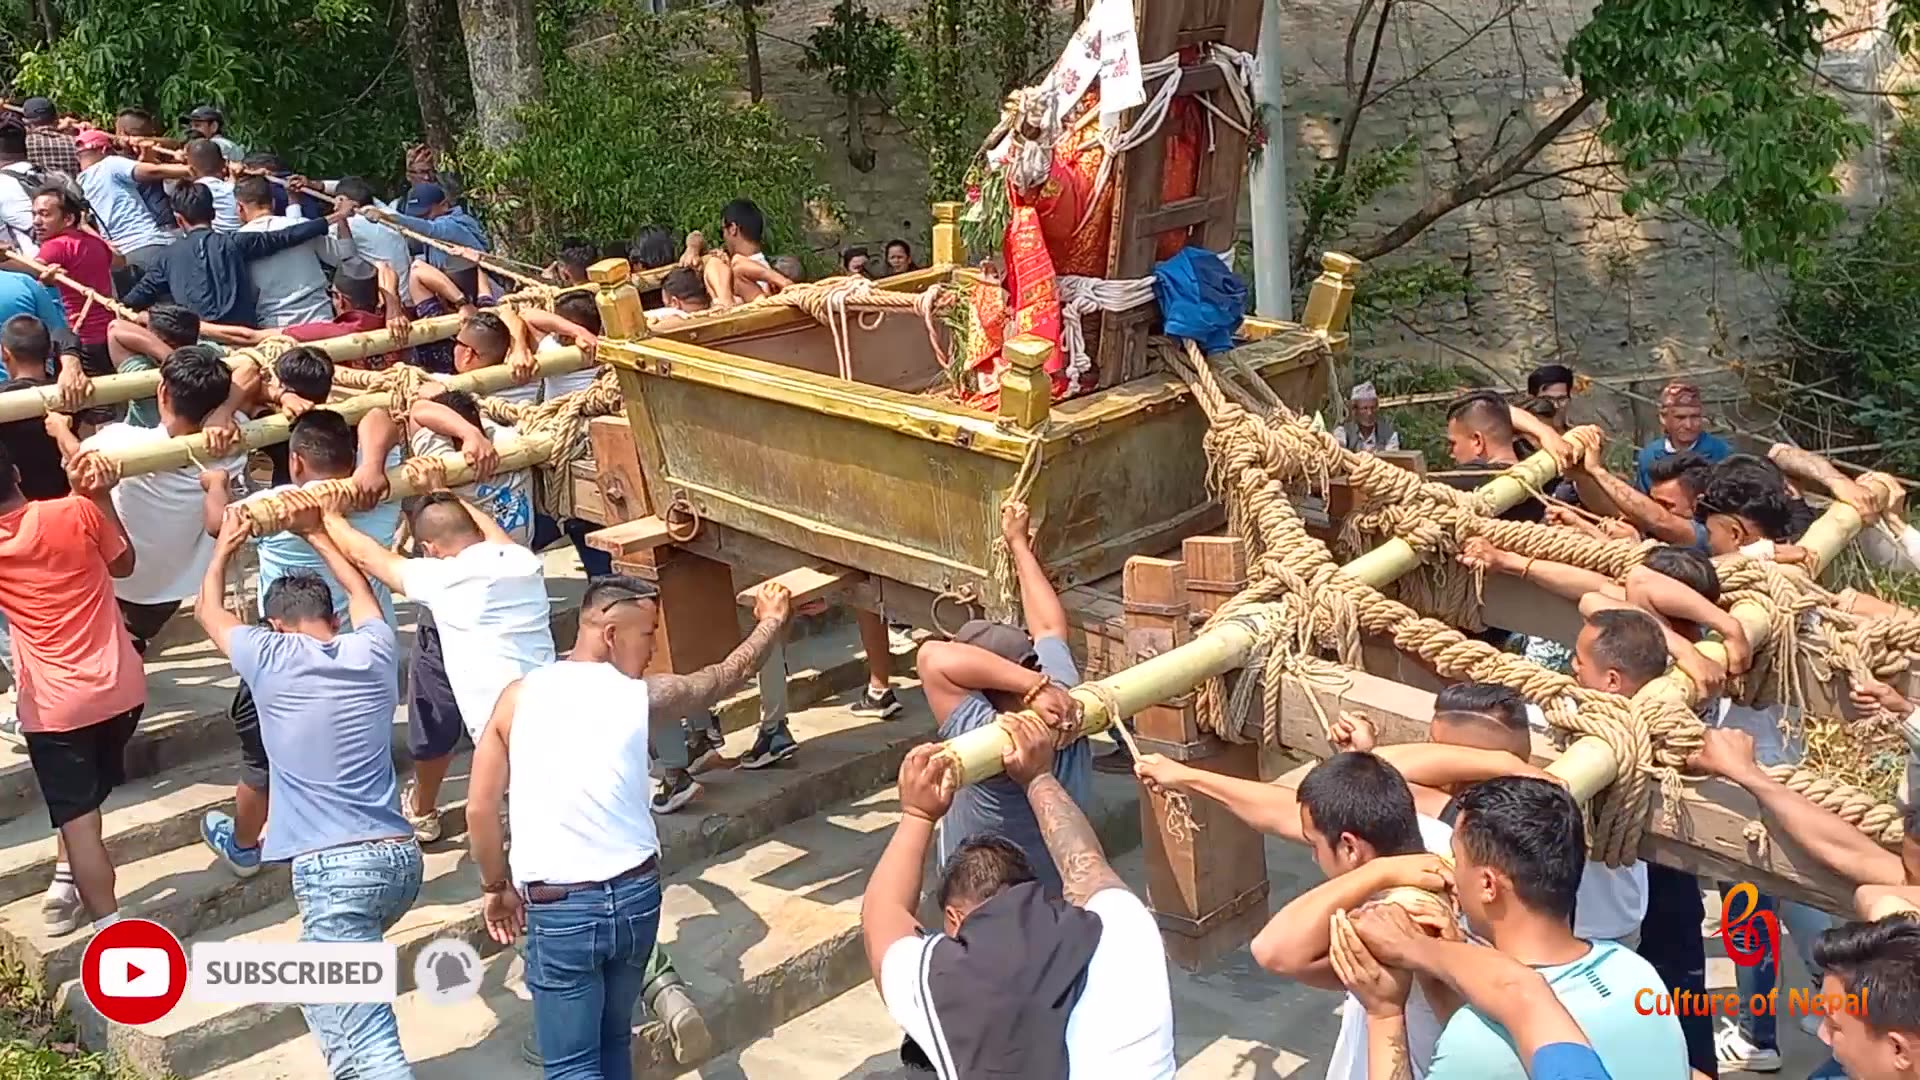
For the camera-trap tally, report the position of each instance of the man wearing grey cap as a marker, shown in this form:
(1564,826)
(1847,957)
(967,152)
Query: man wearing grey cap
(49,148)
(1368,430)
(991,668)
(210,123)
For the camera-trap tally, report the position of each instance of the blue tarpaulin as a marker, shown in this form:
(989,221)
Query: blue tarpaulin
(1200,298)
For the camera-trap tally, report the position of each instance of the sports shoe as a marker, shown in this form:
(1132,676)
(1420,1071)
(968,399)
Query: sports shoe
(705,748)
(674,1007)
(426,827)
(216,831)
(10,729)
(677,789)
(1736,1053)
(880,705)
(770,749)
(62,914)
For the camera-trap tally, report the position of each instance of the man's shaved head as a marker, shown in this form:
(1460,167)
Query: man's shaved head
(1480,429)
(442,526)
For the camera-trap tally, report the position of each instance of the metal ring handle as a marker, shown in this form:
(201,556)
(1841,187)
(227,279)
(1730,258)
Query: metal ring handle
(683,508)
(965,596)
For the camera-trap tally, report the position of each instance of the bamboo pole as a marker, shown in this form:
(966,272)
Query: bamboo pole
(192,449)
(265,515)
(1226,647)
(134,385)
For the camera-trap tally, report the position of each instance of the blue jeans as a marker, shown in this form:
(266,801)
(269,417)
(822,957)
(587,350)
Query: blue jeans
(354,893)
(1802,926)
(546,530)
(586,965)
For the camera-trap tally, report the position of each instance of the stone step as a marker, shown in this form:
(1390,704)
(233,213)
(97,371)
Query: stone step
(841,756)
(764,934)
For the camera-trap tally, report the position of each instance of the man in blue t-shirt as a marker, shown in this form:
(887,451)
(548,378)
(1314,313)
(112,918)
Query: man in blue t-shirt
(326,699)
(1519,845)
(990,668)
(1683,426)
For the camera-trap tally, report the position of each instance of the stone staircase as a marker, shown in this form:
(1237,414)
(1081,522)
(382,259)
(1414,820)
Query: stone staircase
(763,877)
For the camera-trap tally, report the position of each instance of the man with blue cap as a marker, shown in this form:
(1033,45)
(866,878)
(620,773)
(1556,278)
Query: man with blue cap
(431,211)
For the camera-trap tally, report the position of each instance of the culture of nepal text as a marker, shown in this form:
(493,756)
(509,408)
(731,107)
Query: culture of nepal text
(1800,1002)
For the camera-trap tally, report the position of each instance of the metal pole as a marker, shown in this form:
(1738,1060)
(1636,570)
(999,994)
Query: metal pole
(1267,179)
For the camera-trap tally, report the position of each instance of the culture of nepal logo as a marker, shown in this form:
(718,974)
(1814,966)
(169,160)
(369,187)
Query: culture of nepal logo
(1750,938)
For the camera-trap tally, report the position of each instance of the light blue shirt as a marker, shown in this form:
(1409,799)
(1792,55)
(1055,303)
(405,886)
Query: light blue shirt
(326,718)
(21,294)
(1599,990)
(284,553)
(114,195)
(999,806)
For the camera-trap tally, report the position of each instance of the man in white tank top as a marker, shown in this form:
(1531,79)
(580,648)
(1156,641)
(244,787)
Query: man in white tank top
(566,749)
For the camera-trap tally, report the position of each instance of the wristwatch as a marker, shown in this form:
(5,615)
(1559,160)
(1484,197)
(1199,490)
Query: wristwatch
(491,887)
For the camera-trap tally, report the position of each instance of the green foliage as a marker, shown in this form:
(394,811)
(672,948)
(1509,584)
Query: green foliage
(321,82)
(1403,288)
(35,1044)
(856,50)
(1712,105)
(1422,427)
(647,129)
(964,57)
(1329,202)
(1854,316)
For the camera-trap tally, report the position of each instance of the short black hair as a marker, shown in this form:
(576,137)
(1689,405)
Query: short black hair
(1359,793)
(174,325)
(355,190)
(254,190)
(607,590)
(495,340)
(439,515)
(324,440)
(852,253)
(1687,565)
(1548,375)
(1630,641)
(1686,466)
(13,140)
(205,155)
(262,159)
(896,242)
(306,371)
(9,483)
(685,284)
(742,214)
(982,868)
(1492,701)
(578,256)
(1880,962)
(194,204)
(298,596)
(70,204)
(1483,410)
(196,379)
(1532,831)
(357,280)
(26,338)
(1748,487)
(142,119)
(464,404)
(653,247)
(579,308)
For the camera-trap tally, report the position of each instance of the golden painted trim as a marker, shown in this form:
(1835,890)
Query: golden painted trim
(814,525)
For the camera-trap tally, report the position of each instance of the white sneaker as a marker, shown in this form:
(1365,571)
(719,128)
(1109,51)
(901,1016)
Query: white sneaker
(426,827)
(1736,1053)
(62,914)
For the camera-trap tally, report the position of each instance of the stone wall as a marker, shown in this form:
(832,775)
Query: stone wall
(1558,272)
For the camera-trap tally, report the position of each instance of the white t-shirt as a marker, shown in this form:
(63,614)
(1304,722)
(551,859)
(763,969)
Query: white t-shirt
(519,393)
(226,212)
(489,603)
(1122,1026)
(162,514)
(16,207)
(560,385)
(507,497)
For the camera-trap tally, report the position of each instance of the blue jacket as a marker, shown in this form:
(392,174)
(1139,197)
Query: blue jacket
(206,271)
(456,226)
(1708,445)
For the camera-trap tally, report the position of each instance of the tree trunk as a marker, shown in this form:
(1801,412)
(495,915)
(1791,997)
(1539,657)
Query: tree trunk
(423,17)
(750,39)
(859,154)
(49,22)
(503,60)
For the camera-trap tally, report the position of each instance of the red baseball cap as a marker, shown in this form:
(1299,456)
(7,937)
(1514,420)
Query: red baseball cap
(92,139)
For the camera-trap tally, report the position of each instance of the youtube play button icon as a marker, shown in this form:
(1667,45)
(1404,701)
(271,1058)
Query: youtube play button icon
(134,972)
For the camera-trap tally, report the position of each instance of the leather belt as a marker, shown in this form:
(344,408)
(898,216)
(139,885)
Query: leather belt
(546,892)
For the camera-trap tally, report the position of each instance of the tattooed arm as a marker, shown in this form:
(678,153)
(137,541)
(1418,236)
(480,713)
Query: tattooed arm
(1070,838)
(1387,1056)
(675,697)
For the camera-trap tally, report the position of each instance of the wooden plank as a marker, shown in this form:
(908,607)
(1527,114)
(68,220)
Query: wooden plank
(627,538)
(692,588)
(807,584)
(588,502)
(1216,570)
(1707,833)
(1182,214)
(623,483)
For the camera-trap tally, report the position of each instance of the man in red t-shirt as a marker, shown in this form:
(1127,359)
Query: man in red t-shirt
(81,685)
(363,300)
(86,259)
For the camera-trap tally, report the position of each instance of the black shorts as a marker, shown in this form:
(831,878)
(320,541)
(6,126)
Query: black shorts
(434,726)
(246,724)
(145,621)
(78,769)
